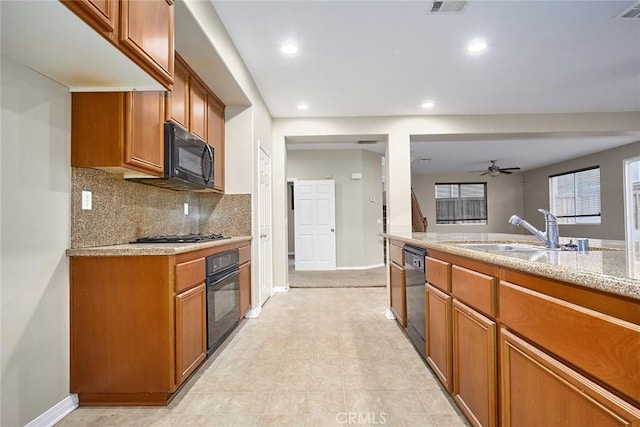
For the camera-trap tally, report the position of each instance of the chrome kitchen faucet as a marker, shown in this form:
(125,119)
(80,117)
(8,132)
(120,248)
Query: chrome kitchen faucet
(550,236)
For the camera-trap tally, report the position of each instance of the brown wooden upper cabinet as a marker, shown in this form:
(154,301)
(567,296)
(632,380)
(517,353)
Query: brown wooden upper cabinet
(197,109)
(119,132)
(142,29)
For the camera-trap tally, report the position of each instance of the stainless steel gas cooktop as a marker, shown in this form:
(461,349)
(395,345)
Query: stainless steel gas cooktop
(185,238)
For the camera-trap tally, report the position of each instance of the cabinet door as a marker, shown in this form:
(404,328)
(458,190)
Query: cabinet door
(538,390)
(215,138)
(474,365)
(102,15)
(398,294)
(438,333)
(144,141)
(197,108)
(191,331)
(146,30)
(178,98)
(244,291)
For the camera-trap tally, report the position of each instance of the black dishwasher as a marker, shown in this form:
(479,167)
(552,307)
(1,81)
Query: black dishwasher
(414,269)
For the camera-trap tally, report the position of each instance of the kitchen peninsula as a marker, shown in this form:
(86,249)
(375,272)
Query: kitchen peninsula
(515,332)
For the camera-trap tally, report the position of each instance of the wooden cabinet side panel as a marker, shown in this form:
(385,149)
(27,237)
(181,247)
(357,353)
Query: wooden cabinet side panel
(398,294)
(144,144)
(97,129)
(147,32)
(538,390)
(244,291)
(475,365)
(215,138)
(601,345)
(438,334)
(191,331)
(121,325)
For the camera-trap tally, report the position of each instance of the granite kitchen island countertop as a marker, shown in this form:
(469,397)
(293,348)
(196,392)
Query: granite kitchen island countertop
(141,249)
(609,265)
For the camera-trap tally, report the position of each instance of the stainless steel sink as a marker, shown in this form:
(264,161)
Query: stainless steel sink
(503,247)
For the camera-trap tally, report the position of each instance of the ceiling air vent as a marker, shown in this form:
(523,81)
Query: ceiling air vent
(632,12)
(448,6)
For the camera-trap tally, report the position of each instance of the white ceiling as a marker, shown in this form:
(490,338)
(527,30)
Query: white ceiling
(385,58)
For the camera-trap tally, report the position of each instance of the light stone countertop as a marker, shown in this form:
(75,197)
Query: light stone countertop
(141,249)
(608,266)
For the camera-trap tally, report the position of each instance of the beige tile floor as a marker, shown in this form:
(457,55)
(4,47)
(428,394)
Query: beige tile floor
(314,357)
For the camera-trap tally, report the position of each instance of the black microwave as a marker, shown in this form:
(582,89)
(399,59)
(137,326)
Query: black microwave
(188,162)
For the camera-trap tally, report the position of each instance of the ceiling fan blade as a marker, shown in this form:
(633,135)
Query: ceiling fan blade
(505,171)
(509,169)
(484,173)
(483,170)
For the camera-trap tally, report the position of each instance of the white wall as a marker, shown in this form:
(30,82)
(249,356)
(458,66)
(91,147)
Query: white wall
(504,198)
(246,129)
(355,225)
(36,218)
(398,131)
(536,192)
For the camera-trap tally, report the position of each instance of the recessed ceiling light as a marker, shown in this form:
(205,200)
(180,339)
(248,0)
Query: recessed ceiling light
(428,104)
(477,46)
(303,107)
(289,49)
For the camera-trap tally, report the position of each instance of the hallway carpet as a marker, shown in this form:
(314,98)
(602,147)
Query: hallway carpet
(372,277)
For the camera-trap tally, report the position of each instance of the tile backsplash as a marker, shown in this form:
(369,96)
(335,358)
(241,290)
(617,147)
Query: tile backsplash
(122,211)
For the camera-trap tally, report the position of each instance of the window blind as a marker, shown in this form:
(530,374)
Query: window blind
(575,196)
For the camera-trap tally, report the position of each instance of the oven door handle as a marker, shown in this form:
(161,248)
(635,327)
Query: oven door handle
(232,273)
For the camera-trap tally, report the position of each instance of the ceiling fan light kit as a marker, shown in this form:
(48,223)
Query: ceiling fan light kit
(494,170)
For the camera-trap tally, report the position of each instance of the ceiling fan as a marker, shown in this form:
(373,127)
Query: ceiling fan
(495,170)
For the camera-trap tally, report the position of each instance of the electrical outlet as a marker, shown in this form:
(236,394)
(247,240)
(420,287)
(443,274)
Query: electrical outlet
(86,200)
(186,208)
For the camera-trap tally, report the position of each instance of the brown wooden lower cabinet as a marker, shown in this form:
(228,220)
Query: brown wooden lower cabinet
(474,365)
(191,331)
(138,324)
(438,333)
(398,294)
(538,390)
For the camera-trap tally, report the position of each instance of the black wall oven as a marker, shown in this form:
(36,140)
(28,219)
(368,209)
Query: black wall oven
(223,311)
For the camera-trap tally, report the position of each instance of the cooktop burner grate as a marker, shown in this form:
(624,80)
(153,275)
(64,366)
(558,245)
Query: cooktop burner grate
(185,238)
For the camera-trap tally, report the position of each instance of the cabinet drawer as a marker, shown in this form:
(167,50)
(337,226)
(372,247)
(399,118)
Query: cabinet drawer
(476,289)
(601,345)
(244,254)
(189,274)
(397,254)
(438,274)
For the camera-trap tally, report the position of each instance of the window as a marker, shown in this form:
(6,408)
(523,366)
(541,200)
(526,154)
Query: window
(461,203)
(574,197)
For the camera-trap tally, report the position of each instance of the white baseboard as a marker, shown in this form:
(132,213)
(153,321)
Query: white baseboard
(56,412)
(389,314)
(280,289)
(253,313)
(363,267)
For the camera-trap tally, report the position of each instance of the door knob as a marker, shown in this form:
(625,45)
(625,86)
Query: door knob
(332,230)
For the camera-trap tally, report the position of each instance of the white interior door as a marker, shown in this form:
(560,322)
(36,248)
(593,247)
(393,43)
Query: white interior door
(266,280)
(314,207)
